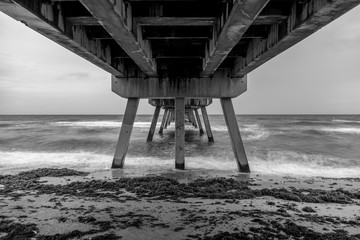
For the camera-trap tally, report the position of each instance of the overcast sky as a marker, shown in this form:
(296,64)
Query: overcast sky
(320,75)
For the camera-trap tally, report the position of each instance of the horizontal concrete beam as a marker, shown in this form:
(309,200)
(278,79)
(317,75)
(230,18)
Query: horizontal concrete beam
(175,21)
(193,103)
(179,87)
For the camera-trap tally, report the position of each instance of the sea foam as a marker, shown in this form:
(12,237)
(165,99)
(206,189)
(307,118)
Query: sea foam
(292,163)
(274,162)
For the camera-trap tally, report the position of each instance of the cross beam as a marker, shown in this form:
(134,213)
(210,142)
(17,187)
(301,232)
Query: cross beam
(242,15)
(115,17)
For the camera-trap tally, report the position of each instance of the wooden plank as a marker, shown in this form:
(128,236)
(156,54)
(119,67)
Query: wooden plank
(40,16)
(153,124)
(199,122)
(303,20)
(185,32)
(269,19)
(207,124)
(235,136)
(242,15)
(125,132)
(163,121)
(164,0)
(175,21)
(85,21)
(115,17)
(178,48)
(179,133)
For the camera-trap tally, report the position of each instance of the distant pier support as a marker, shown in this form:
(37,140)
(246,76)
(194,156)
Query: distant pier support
(199,122)
(167,119)
(163,121)
(153,123)
(235,136)
(125,132)
(179,133)
(171,112)
(192,116)
(207,124)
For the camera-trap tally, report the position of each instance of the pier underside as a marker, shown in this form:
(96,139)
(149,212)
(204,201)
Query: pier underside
(179,54)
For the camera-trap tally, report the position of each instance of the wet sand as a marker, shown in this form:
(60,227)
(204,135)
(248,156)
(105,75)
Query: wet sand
(67,204)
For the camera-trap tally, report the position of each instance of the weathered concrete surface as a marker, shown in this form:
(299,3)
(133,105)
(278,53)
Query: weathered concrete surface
(179,133)
(207,124)
(179,87)
(125,132)
(199,122)
(236,141)
(163,122)
(194,103)
(153,124)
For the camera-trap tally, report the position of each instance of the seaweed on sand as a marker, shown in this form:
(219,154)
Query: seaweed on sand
(159,187)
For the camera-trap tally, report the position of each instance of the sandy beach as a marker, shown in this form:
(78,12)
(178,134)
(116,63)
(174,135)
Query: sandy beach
(68,204)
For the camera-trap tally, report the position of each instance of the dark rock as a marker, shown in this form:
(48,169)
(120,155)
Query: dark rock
(308,209)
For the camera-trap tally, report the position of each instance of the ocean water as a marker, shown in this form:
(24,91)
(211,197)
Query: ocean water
(303,145)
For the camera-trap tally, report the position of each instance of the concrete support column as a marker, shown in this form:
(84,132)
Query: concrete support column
(187,116)
(167,119)
(199,122)
(153,124)
(179,133)
(173,116)
(170,117)
(125,132)
(163,121)
(193,118)
(207,124)
(235,136)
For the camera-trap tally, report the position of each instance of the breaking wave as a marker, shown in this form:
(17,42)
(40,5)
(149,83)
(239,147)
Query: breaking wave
(99,124)
(293,163)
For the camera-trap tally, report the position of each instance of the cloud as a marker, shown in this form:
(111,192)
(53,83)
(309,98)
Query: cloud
(6,67)
(74,75)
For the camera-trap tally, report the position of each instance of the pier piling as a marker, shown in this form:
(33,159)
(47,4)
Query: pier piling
(125,132)
(233,129)
(163,121)
(207,124)
(193,118)
(179,133)
(199,122)
(153,124)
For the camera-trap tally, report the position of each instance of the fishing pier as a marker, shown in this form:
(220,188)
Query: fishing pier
(178,54)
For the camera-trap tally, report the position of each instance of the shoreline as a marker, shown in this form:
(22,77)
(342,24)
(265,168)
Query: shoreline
(68,204)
